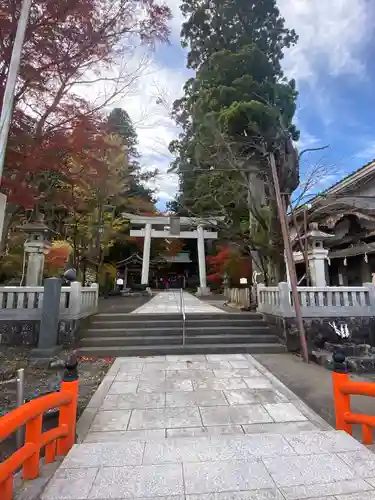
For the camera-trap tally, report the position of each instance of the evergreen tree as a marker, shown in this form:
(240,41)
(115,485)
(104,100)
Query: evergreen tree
(139,196)
(232,113)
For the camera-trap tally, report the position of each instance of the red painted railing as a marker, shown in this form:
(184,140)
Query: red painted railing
(57,441)
(343,388)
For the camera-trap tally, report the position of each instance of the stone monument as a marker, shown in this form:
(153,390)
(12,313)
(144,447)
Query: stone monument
(37,246)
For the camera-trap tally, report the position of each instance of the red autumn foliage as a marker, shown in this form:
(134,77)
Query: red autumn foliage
(217,265)
(69,47)
(57,257)
(55,153)
(228,262)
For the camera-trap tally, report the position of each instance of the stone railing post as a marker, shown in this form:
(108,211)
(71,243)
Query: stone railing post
(95,286)
(371,292)
(49,324)
(284,297)
(75,298)
(259,289)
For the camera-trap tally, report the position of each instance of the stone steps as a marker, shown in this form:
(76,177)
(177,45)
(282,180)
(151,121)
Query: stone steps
(176,330)
(157,350)
(120,334)
(176,323)
(176,339)
(119,316)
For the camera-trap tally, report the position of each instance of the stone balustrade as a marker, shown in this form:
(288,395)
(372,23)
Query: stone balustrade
(26,302)
(328,301)
(238,296)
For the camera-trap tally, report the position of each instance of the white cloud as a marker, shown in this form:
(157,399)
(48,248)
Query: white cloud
(367,152)
(176,20)
(332,36)
(307,140)
(149,106)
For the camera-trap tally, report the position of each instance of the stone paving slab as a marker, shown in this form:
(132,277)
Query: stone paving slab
(171,428)
(132,401)
(196,398)
(116,420)
(251,414)
(216,448)
(205,431)
(125,436)
(361,461)
(254,396)
(145,481)
(165,417)
(70,484)
(207,477)
(263,494)
(104,455)
(169,302)
(323,490)
(219,384)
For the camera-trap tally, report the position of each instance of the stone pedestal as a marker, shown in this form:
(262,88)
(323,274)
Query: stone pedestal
(36,247)
(202,291)
(35,255)
(317,264)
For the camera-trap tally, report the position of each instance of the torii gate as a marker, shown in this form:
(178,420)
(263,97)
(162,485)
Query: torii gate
(168,227)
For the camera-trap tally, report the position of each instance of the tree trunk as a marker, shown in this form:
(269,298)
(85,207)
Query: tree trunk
(10,212)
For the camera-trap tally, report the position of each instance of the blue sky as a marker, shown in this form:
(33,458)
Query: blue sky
(333,64)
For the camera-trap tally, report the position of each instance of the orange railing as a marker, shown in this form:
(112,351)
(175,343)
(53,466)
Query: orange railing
(57,441)
(343,388)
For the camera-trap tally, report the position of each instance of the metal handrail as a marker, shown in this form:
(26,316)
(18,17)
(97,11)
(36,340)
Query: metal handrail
(182,310)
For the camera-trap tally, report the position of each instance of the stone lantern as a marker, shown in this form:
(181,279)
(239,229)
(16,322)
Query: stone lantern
(317,255)
(37,246)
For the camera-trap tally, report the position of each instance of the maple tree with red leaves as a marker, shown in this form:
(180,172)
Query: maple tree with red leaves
(230,263)
(70,47)
(57,258)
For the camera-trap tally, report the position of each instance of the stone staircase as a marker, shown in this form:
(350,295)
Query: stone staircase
(120,334)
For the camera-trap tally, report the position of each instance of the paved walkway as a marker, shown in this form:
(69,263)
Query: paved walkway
(169,302)
(215,427)
(313,384)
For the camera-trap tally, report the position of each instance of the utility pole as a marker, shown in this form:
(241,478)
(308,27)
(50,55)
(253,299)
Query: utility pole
(7,105)
(289,258)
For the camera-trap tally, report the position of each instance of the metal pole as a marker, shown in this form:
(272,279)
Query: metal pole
(7,107)
(289,258)
(20,400)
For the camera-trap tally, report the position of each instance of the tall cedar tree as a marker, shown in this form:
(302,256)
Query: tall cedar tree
(236,48)
(233,106)
(140,198)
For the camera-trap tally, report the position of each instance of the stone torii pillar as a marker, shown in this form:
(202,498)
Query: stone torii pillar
(146,254)
(202,290)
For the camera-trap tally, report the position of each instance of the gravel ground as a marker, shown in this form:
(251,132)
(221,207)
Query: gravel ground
(38,379)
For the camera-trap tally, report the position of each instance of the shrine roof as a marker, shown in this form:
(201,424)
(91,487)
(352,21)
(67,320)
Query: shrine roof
(344,185)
